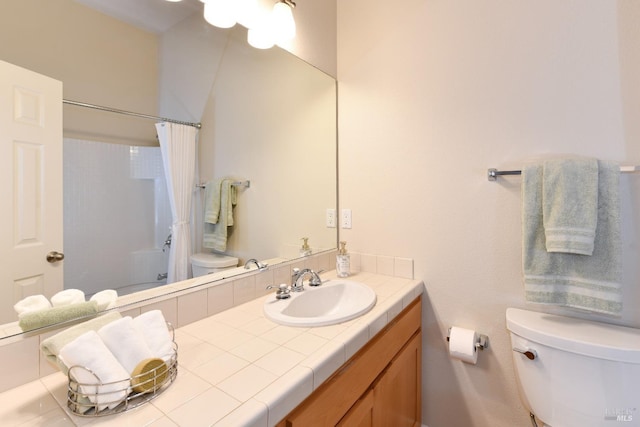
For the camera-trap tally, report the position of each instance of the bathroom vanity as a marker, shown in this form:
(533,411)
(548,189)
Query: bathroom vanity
(378,386)
(239,368)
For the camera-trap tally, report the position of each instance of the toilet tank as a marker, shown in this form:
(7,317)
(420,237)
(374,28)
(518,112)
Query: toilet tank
(583,374)
(208,263)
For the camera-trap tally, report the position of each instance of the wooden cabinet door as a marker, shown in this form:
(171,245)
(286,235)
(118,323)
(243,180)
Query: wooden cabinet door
(397,395)
(360,414)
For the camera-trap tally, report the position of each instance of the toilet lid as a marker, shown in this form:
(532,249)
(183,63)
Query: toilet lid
(211,260)
(589,338)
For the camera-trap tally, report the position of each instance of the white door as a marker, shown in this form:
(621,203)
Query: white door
(30,186)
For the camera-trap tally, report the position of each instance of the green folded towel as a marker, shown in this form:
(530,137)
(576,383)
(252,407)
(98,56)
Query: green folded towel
(570,205)
(41,318)
(592,283)
(51,346)
(220,198)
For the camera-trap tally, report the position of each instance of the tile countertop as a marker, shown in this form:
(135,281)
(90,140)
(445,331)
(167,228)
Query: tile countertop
(236,368)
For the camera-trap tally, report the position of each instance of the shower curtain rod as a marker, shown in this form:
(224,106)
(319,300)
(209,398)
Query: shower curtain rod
(130,113)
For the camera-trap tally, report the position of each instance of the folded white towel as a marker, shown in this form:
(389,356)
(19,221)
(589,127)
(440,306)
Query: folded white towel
(51,346)
(88,351)
(32,303)
(106,299)
(153,327)
(125,342)
(67,297)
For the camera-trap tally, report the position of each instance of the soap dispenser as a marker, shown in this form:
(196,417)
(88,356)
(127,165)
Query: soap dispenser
(343,261)
(305,250)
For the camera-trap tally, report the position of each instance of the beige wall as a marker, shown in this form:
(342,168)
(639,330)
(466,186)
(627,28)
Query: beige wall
(98,59)
(431,94)
(271,118)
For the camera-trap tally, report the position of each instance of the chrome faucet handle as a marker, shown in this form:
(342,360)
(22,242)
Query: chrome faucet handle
(315,278)
(282,291)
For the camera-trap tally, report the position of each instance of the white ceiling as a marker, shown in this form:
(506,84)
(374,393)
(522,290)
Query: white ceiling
(152,15)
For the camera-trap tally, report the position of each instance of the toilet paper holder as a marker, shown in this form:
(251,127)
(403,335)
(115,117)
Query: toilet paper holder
(481,343)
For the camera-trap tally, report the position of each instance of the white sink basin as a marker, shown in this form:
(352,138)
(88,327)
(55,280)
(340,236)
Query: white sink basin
(334,301)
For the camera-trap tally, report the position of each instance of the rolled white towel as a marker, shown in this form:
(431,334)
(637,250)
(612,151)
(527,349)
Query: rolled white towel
(67,297)
(32,303)
(106,299)
(88,351)
(125,342)
(153,327)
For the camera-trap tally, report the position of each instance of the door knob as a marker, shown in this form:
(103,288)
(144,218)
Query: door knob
(54,256)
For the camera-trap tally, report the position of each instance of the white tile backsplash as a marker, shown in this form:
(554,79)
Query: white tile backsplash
(193,305)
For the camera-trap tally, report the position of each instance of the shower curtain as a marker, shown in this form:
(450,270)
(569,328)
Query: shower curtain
(178,147)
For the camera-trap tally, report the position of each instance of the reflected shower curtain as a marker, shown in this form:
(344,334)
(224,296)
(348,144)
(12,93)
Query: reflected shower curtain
(178,147)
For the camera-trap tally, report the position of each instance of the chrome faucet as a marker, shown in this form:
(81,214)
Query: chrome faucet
(297,279)
(261,266)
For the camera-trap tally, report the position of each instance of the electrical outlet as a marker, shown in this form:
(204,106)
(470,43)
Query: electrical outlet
(331,218)
(345,218)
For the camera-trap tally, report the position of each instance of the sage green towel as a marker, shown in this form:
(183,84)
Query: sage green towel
(41,318)
(570,205)
(584,282)
(220,198)
(51,346)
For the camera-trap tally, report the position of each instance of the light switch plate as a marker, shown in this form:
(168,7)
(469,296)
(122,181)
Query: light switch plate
(331,218)
(345,218)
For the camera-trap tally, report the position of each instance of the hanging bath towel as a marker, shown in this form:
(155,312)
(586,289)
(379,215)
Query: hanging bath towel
(584,282)
(219,200)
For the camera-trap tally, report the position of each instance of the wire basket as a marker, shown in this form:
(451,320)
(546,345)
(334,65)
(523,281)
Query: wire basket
(97,399)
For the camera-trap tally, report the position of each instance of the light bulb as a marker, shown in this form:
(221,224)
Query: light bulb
(260,36)
(220,13)
(283,25)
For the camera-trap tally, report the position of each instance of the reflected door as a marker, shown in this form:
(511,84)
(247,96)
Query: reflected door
(30,185)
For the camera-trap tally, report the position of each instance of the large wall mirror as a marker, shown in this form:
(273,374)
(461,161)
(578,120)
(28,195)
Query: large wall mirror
(267,117)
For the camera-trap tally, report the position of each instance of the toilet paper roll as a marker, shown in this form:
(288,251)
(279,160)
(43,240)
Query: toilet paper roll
(462,345)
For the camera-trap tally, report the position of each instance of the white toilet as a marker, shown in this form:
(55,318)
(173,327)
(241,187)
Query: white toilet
(208,263)
(576,373)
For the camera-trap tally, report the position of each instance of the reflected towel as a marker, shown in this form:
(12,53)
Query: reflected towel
(125,342)
(51,346)
(88,351)
(570,205)
(38,319)
(153,327)
(106,299)
(220,198)
(584,282)
(32,303)
(67,297)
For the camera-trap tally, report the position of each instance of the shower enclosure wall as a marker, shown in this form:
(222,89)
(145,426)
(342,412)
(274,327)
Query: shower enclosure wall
(116,217)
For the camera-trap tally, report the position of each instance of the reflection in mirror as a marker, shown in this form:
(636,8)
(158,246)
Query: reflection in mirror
(267,117)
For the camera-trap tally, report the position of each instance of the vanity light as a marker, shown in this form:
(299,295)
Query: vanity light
(278,26)
(282,23)
(220,13)
(260,36)
(275,27)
